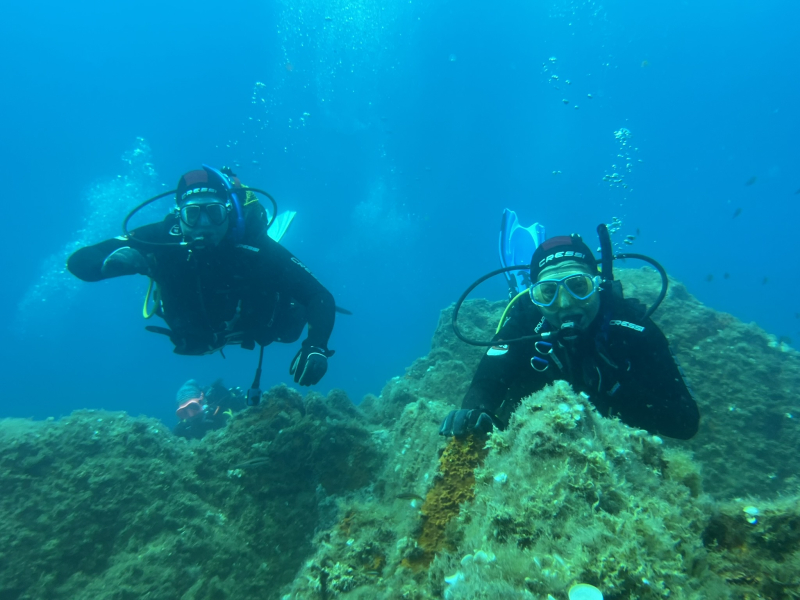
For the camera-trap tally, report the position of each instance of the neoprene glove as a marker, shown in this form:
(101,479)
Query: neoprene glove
(124,261)
(463,421)
(309,365)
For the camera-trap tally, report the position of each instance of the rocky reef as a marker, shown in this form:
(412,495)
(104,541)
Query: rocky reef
(102,505)
(316,498)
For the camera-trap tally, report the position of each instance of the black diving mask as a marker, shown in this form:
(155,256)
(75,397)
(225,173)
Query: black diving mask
(216,212)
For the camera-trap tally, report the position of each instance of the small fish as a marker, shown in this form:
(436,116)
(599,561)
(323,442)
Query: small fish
(709,277)
(253,462)
(785,339)
(751,181)
(797,192)
(409,496)
(765,281)
(637,231)
(726,275)
(797,315)
(737,212)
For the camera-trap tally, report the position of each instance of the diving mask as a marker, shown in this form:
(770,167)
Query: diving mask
(579,285)
(216,212)
(190,409)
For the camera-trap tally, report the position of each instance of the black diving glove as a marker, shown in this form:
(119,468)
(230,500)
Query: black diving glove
(124,261)
(309,364)
(464,421)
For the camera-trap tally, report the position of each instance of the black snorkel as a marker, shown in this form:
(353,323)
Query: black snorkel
(606,281)
(607,256)
(606,290)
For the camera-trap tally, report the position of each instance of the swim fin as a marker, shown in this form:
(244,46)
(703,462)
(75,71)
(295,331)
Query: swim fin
(517,244)
(278,229)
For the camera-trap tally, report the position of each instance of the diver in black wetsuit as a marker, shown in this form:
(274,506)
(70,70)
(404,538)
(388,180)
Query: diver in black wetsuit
(205,408)
(621,360)
(220,279)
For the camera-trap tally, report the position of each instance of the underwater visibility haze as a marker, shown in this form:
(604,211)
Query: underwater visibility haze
(399,131)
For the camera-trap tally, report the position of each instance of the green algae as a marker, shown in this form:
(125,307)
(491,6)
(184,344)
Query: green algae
(102,505)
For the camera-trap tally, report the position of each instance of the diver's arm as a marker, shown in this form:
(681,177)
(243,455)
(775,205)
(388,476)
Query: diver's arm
(87,263)
(498,370)
(296,279)
(658,395)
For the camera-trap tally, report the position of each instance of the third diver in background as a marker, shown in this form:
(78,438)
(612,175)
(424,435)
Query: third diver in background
(205,408)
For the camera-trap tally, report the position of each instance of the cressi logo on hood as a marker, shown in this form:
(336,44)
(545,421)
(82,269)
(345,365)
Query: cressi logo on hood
(560,255)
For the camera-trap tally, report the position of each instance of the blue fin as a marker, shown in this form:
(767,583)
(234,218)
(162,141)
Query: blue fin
(517,244)
(281,225)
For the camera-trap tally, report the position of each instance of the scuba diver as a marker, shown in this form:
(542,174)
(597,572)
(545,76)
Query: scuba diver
(205,408)
(568,320)
(218,277)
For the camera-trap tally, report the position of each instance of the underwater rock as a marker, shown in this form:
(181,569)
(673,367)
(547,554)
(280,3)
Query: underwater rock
(586,499)
(746,386)
(103,501)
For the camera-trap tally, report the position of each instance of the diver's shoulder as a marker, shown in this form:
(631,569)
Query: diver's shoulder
(258,238)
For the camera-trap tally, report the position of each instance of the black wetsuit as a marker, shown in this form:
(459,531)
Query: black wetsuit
(631,373)
(250,292)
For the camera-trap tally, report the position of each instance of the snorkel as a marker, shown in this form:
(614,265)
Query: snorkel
(606,290)
(607,280)
(236,212)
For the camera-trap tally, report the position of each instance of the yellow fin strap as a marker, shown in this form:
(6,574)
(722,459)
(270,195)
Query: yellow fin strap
(505,312)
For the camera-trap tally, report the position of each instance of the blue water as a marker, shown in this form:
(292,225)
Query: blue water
(399,131)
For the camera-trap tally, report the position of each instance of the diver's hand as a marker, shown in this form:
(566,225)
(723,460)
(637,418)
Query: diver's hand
(309,364)
(124,261)
(464,421)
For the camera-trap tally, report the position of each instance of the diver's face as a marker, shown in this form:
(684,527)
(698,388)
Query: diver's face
(566,308)
(204,221)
